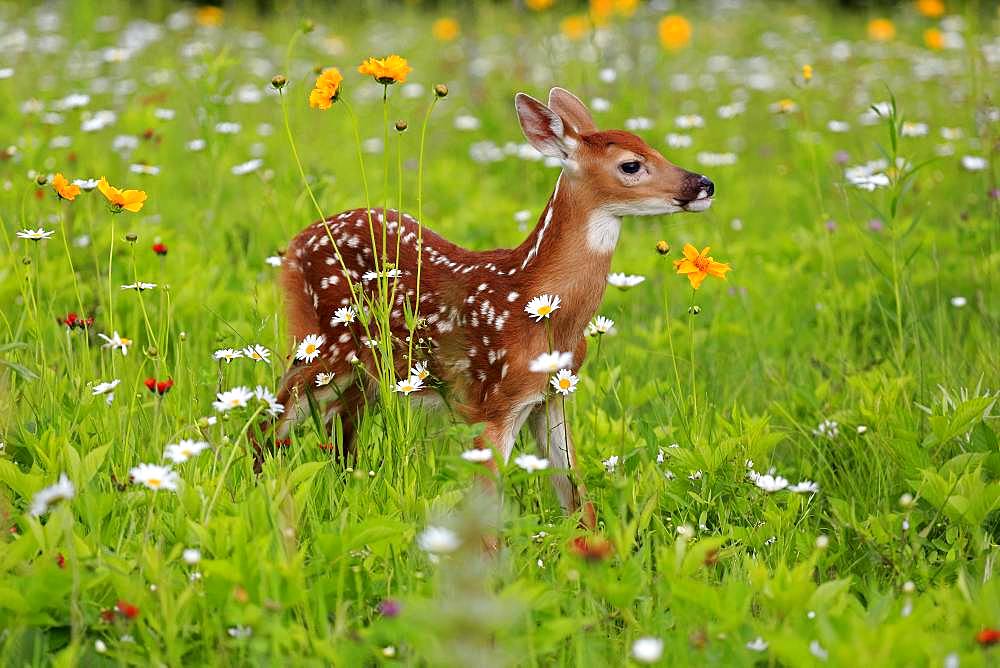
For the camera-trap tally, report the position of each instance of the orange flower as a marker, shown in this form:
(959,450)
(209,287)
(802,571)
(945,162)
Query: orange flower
(881,30)
(445,29)
(934,39)
(626,7)
(64,189)
(575,27)
(390,70)
(130,200)
(327,89)
(601,10)
(697,266)
(209,16)
(675,32)
(539,5)
(807,73)
(932,9)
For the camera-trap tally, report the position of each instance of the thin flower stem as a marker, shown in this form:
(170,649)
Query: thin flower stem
(420,225)
(229,462)
(694,387)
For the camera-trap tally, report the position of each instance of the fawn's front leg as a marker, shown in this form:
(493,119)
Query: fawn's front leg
(551,431)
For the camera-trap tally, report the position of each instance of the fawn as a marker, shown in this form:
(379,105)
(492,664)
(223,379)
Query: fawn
(479,339)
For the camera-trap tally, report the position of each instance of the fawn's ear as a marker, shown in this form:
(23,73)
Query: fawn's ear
(543,128)
(574,113)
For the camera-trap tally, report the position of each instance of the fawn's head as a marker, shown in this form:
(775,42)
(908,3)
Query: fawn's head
(625,175)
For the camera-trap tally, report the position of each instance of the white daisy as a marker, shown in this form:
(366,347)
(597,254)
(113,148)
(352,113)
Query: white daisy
(106,389)
(970,163)
(139,286)
(600,326)
(624,281)
(771,483)
(274,409)
(324,378)
(647,650)
(804,487)
(234,398)
(180,452)
(911,129)
(610,463)
(115,342)
(438,540)
(155,477)
(828,428)
(690,121)
(86,185)
(564,382)
(550,362)
(191,556)
(35,235)
(420,371)
(531,463)
(758,644)
(273,260)
(63,490)
(308,349)
(409,385)
(344,315)
(478,455)
(258,353)
(541,307)
(227,354)
(959,302)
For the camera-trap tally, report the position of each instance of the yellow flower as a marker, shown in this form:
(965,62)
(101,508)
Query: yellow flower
(575,27)
(697,266)
(326,90)
(445,29)
(539,5)
(64,189)
(130,200)
(807,72)
(675,32)
(601,10)
(390,70)
(208,15)
(881,30)
(934,39)
(932,9)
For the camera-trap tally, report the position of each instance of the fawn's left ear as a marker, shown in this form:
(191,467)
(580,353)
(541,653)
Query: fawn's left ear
(543,128)
(574,113)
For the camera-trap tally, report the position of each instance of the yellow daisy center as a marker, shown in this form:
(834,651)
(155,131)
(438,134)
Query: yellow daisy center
(154,482)
(544,310)
(310,349)
(564,383)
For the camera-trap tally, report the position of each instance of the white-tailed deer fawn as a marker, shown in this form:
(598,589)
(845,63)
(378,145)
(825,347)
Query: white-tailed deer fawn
(479,339)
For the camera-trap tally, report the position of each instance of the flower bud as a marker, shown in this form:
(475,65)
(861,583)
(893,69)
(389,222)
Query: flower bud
(131,237)
(41,179)
(26,260)
(441,90)
(278,81)
(308,25)
(401,125)
(906,500)
(822,542)
(909,587)
(694,309)
(662,247)
(152,351)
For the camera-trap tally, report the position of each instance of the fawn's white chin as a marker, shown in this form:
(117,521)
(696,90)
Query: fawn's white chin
(698,204)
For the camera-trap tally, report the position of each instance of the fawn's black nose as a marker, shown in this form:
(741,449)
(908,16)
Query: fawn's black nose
(706,184)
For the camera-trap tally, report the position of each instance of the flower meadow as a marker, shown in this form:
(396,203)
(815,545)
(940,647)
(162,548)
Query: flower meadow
(786,421)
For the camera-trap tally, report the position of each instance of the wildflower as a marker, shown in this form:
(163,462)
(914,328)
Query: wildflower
(420,371)
(696,475)
(445,29)
(531,463)
(344,315)
(73,321)
(139,286)
(689,121)
(114,342)
(478,455)
(191,556)
(550,362)
(647,650)
(988,637)
(158,387)
(129,200)
(274,409)
(822,542)
(227,354)
(106,390)
(804,487)
(624,281)
(64,189)
(758,644)
(911,129)
(438,540)
(600,326)
(35,235)
(933,39)
(784,106)
(127,610)
(63,490)
(771,483)
(828,428)
(610,463)
(674,32)
(324,378)
(817,650)
(209,16)
(542,307)
(234,398)
(564,382)
(697,266)
(591,548)
(155,477)
(409,385)
(239,632)
(539,5)
(958,302)
(160,249)
(932,9)
(386,71)
(100,646)
(308,349)
(273,260)
(326,89)
(971,163)
(574,28)
(881,30)
(180,452)
(807,73)
(257,353)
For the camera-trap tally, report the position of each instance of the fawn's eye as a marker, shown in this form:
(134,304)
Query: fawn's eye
(631,167)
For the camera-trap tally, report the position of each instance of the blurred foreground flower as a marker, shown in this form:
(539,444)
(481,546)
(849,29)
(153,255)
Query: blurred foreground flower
(674,31)
(698,266)
(647,650)
(63,490)
(386,71)
(155,477)
(591,548)
(445,29)
(881,30)
(438,540)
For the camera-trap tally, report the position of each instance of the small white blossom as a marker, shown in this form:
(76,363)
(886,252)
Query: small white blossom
(478,455)
(324,378)
(438,540)
(35,235)
(531,463)
(180,452)
(230,399)
(758,644)
(62,490)
(647,650)
(344,315)
(542,307)
(624,281)
(227,354)
(771,483)
(309,347)
(550,362)
(155,477)
(409,385)
(257,352)
(804,487)
(564,382)
(610,463)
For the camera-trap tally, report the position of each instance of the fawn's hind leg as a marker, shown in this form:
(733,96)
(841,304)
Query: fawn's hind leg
(551,431)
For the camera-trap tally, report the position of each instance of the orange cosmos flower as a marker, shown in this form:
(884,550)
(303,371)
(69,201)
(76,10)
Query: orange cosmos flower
(327,89)
(697,266)
(881,30)
(675,32)
(601,10)
(574,27)
(390,70)
(64,189)
(445,29)
(129,200)
(934,39)
(932,9)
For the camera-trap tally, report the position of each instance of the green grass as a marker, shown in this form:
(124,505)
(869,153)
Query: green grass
(826,316)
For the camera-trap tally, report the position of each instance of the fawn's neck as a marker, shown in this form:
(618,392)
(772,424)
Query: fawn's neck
(569,254)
